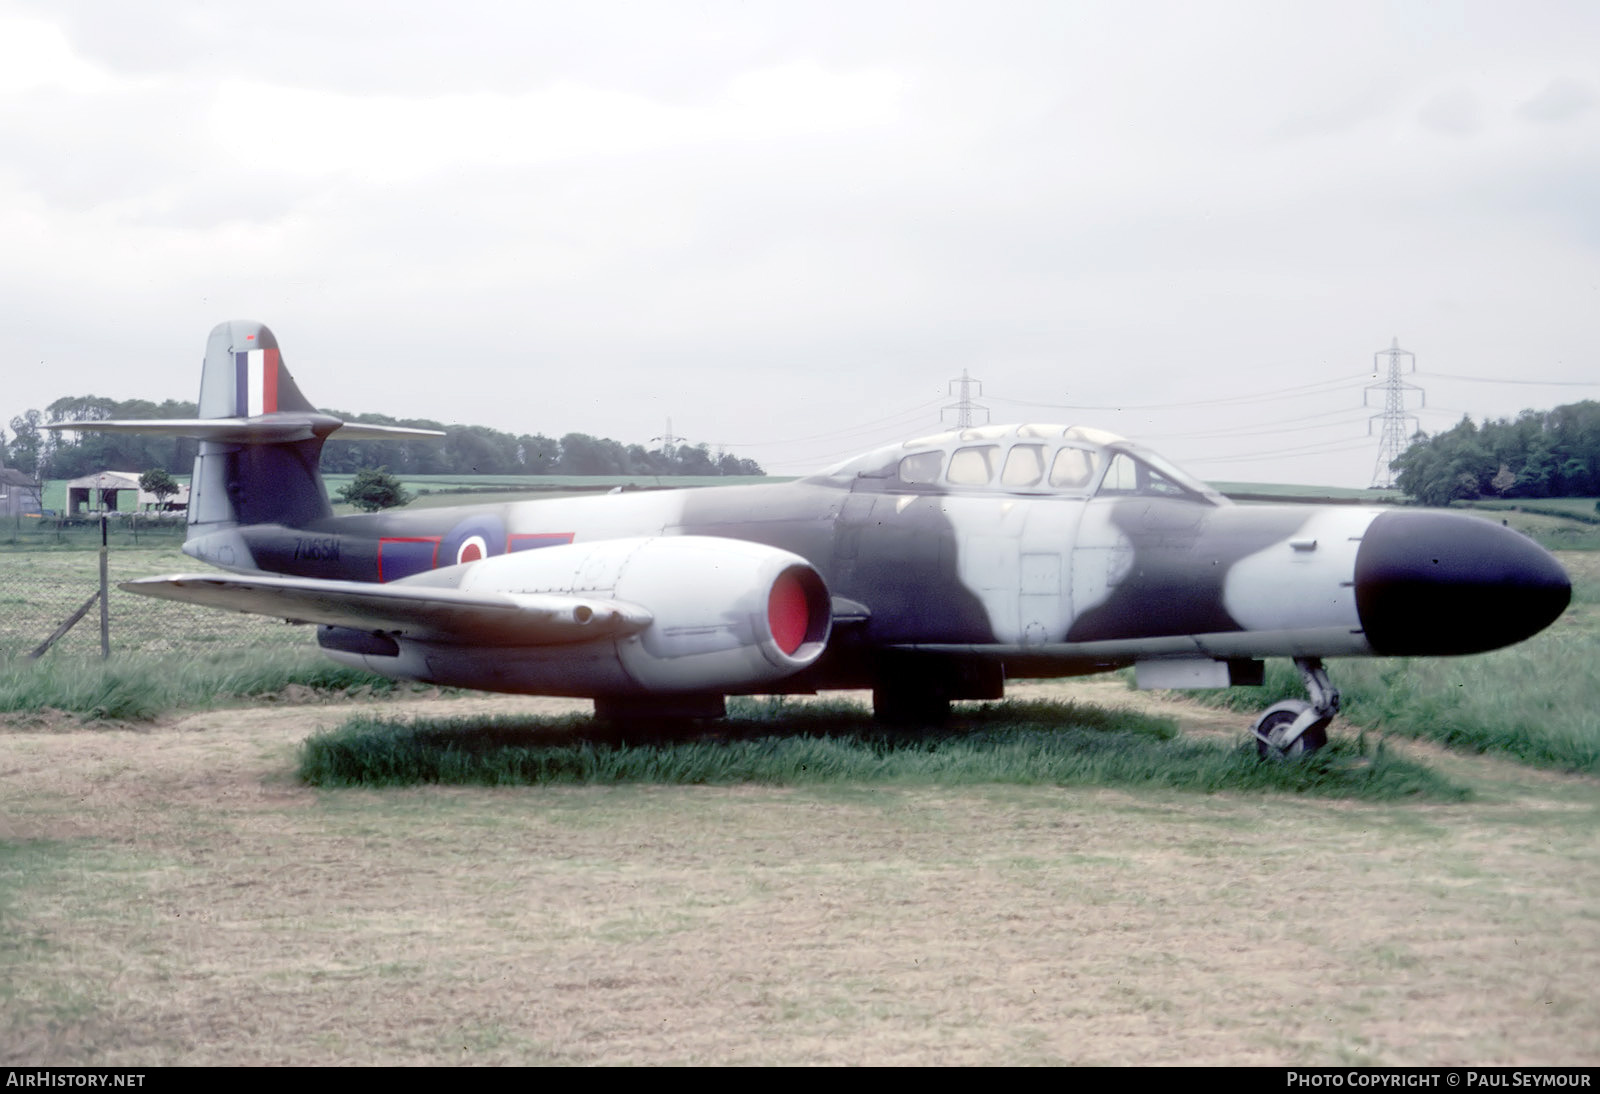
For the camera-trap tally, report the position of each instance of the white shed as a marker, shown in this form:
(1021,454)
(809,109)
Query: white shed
(110,486)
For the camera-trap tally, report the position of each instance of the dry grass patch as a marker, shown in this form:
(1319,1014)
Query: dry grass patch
(174,897)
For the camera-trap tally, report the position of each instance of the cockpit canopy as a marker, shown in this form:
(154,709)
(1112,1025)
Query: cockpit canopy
(1072,461)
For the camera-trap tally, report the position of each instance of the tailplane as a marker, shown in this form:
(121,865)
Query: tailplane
(261,441)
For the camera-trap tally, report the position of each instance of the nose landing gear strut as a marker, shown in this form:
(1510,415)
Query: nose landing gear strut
(1294,727)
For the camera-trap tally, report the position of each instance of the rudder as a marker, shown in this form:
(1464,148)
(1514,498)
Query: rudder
(248,481)
(244,375)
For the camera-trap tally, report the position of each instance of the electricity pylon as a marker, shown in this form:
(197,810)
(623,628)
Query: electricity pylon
(1394,437)
(965,406)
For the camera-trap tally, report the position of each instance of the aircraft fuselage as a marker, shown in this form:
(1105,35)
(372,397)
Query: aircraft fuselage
(1033,585)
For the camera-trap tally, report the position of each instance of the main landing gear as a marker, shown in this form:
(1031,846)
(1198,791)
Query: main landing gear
(1294,727)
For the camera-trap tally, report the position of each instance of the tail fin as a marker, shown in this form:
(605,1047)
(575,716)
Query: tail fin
(256,474)
(261,441)
(244,375)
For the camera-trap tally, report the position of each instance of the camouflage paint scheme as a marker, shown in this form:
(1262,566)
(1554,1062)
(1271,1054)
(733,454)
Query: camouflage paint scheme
(929,570)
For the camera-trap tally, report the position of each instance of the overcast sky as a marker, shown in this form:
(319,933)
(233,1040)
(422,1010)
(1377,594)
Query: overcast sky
(787,226)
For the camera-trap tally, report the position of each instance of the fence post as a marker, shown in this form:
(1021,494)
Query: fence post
(105,601)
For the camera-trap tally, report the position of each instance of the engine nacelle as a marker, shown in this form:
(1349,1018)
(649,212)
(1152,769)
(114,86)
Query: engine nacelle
(727,616)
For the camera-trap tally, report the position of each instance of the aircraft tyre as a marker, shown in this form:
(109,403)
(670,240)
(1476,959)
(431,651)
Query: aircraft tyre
(1275,728)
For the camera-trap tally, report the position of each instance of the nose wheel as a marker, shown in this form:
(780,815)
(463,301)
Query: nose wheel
(1295,728)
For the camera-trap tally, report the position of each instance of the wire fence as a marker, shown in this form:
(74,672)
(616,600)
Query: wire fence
(42,588)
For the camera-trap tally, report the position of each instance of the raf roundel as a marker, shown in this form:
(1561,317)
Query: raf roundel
(478,537)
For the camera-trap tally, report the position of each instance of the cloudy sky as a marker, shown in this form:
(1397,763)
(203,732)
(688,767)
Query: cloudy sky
(787,226)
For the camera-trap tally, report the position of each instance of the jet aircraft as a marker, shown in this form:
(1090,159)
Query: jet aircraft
(928,571)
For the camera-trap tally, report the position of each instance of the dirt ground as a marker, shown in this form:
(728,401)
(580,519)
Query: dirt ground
(173,896)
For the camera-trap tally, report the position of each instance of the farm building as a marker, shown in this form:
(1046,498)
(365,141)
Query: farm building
(109,489)
(19,494)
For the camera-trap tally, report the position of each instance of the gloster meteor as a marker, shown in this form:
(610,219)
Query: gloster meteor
(928,571)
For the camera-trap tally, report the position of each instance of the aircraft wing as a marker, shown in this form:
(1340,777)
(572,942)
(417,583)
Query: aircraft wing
(426,613)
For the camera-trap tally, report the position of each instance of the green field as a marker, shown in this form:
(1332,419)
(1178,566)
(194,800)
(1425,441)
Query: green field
(1582,509)
(1324,493)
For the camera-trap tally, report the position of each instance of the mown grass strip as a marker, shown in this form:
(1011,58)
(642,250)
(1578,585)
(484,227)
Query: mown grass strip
(1019,744)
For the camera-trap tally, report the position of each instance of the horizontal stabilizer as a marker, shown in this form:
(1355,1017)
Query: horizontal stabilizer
(277,428)
(424,613)
(361,431)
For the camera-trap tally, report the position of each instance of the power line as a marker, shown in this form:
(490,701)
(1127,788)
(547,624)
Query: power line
(1318,387)
(1490,380)
(1282,425)
(1321,449)
(863,427)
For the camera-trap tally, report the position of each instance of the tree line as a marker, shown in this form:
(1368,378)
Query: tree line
(463,450)
(1537,454)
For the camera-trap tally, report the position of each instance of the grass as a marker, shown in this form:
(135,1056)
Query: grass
(168,898)
(1532,705)
(1551,530)
(1025,744)
(142,689)
(1584,510)
(30,534)
(40,589)
(28,866)
(1367,496)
